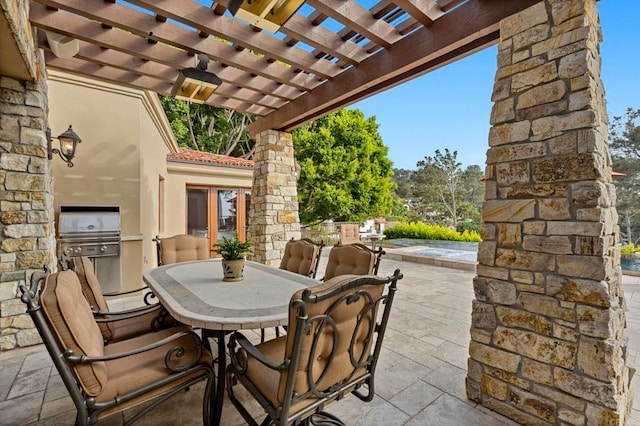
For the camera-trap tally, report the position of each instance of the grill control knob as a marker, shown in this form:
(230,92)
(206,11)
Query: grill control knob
(103,249)
(68,250)
(78,250)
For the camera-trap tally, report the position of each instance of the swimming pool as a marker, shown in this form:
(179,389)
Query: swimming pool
(467,252)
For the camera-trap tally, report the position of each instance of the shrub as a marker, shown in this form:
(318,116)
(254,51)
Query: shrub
(629,249)
(423,231)
(468,226)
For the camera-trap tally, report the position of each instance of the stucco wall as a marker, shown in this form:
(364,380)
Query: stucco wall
(123,150)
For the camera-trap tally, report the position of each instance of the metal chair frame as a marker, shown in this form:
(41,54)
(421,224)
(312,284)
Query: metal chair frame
(88,409)
(240,349)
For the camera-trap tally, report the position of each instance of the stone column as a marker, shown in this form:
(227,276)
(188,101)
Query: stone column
(273,214)
(547,344)
(27,237)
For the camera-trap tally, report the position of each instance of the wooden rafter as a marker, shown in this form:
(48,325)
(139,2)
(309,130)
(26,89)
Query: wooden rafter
(457,31)
(310,67)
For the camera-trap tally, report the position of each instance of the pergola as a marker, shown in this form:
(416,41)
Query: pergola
(328,55)
(547,342)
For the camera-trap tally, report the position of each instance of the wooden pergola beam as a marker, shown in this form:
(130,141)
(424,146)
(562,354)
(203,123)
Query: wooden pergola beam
(459,31)
(423,11)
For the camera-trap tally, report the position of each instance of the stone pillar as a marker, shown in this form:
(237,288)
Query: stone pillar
(273,214)
(27,238)
(547,344)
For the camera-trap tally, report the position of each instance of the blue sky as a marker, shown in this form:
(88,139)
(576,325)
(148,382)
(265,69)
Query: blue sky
(450,107)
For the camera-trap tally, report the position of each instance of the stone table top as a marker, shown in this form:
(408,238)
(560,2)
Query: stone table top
(194,293)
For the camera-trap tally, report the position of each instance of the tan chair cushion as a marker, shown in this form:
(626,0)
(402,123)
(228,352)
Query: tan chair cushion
(92,290)
(345,317)
(349,233)
(272,384)
(184,248)
(70,317)
(130,373)
(299,257)
(349,260)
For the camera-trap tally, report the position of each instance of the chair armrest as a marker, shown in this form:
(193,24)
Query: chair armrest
(175,351)
(247,348)
(105,317)
(141,309)
(120,293)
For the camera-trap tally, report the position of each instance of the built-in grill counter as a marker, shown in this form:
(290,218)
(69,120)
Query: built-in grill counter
(93,231)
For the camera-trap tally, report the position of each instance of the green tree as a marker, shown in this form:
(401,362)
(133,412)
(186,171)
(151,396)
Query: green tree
(625,150)
(207,128)
(404,180)
(345,174)
(448,192)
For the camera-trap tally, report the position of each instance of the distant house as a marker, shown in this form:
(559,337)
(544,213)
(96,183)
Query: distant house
(129,158)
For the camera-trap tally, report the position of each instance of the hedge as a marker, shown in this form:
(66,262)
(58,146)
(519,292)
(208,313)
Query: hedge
(423,231)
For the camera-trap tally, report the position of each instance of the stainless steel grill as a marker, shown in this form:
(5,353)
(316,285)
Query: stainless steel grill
(93,231)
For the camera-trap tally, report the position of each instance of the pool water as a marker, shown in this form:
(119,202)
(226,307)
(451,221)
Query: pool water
(467,252)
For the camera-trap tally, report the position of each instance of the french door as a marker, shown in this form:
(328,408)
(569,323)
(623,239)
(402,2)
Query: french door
(216,212)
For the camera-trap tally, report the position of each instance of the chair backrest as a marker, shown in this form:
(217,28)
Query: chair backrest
(73,326)
(349,233)
(332,331)
(92,290)
(301,257)
(181,248)
(355,259)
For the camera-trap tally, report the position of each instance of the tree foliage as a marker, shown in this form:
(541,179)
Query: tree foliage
(448,192)
(206,128)
(345,174)
(625,150)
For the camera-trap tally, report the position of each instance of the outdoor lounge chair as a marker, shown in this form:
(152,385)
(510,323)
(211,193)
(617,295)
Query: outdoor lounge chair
(331,350)
(122,324)
(104,380)
(181,248)
(356,259)
(302,257)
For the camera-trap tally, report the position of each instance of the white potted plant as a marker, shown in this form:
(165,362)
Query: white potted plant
(233,252)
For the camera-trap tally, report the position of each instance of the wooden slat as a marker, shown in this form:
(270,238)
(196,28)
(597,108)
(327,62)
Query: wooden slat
(115,76)
(423,11)
(358,19)
(302,29)
(141,25)
(445,40)
(202,18)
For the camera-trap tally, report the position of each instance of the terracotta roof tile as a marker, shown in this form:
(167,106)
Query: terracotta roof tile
(193,156)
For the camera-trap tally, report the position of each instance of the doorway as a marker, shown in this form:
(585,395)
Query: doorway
(217,212)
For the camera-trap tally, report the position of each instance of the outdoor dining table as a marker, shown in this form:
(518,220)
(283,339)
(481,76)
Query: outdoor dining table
(194,294)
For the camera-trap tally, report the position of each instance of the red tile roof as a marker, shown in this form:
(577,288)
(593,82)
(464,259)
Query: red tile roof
(193,156)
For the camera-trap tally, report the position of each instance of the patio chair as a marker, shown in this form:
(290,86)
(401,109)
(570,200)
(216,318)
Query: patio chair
(349,233)
(181,248)
(331,350)
(103,380)
(121,324)
(356,259)
(302,257)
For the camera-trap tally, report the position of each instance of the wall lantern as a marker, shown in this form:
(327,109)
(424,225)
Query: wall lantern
(196,84)
(269,15)
(69,140)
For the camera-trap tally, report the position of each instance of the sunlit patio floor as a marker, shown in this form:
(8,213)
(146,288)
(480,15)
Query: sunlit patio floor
(420,378)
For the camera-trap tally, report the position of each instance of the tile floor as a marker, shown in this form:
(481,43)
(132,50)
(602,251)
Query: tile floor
(419,381)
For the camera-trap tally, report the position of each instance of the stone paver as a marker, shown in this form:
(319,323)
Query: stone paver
(419,381)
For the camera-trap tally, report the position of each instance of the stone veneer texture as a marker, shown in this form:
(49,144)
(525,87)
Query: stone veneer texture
(273,213)
(27,239)
(547,335)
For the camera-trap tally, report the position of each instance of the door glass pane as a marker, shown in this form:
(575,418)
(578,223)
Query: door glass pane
(197,212)
(227,222)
